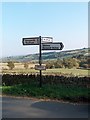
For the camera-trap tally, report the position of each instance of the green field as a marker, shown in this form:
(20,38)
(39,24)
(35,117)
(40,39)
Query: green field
(58,71)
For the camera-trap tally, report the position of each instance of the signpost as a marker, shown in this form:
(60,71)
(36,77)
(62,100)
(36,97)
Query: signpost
(52,46)
(46,40)
(31,41)
(38,67)
(36,40)
(45,43)
(40,60)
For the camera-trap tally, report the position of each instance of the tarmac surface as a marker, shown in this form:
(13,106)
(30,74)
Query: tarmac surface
(28,108)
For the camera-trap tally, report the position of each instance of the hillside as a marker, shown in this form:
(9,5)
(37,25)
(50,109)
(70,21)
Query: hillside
(50,55)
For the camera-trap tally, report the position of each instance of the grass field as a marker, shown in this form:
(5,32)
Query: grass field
(19,68)
(58,71)
(76,72)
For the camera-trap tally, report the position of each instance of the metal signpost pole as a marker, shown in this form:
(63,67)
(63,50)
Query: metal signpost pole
(40,61)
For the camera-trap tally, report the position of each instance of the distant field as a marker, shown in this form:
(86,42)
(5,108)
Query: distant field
(75,72)
(17,65)
(19,68)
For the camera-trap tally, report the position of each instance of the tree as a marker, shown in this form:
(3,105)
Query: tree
(11,65)
(49,64)
(71,62)
(26,65)
(58,64)
(75,62)
(65,63)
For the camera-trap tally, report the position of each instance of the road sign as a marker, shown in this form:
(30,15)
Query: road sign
(31,41)
(45,43)
(46,39)
(52,46)
(40,67)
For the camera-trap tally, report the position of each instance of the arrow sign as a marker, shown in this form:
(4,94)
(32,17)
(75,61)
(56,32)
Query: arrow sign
(52,46)
(31,41)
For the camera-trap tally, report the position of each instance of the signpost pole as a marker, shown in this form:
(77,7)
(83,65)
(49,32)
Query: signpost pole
(40,61)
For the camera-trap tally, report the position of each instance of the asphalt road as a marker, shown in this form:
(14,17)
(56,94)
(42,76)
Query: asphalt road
(27,108)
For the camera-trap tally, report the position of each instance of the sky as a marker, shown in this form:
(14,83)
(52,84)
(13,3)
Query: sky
(66,22)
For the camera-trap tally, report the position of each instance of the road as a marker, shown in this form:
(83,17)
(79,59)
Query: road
(28,108)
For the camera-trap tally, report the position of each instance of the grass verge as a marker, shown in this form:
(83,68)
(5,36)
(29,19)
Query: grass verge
(59,92)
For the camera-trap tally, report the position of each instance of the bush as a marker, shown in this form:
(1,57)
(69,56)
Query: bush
(26,65)
(11,65)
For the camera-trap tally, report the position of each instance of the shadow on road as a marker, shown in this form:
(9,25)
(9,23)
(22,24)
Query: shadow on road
(63,109)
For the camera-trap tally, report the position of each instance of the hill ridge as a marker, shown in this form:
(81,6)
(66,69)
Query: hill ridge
(48,55)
